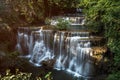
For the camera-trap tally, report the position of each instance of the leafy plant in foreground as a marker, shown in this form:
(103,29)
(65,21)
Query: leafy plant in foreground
(17,76)
(23,76)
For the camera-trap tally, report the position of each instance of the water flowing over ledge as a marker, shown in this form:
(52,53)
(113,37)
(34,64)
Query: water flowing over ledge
(71,51)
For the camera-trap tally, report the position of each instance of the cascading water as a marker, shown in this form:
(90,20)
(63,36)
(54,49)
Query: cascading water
(70,50)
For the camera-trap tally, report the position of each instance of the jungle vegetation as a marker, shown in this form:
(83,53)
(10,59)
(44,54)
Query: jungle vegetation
(104,15)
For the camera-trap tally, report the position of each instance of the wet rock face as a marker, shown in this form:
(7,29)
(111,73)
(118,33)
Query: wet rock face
(49,64)
(98,53)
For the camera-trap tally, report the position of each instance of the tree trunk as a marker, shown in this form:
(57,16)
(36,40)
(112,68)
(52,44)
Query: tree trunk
(46,8)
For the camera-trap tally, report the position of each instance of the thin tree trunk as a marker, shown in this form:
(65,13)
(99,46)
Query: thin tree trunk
(46,8)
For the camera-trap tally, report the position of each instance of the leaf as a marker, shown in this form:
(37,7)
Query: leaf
(48,75)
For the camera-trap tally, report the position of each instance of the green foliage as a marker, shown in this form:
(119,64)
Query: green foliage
(62,24)
(23,76)
(47,21)
(17,76)
(27,9)
(47,75)
(114,76)
(105,14)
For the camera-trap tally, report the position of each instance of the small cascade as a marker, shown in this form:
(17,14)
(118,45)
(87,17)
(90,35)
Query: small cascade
(71,50)
(80,20)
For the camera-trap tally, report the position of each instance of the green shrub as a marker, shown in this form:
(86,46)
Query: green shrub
(62,24)
(114,76)
(47,21)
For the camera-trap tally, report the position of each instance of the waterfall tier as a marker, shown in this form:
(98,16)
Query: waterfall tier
(72,51)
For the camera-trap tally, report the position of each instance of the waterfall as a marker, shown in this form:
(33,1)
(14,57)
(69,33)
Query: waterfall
(70,50)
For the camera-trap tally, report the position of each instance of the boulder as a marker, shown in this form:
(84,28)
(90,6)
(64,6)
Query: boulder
(49,64)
